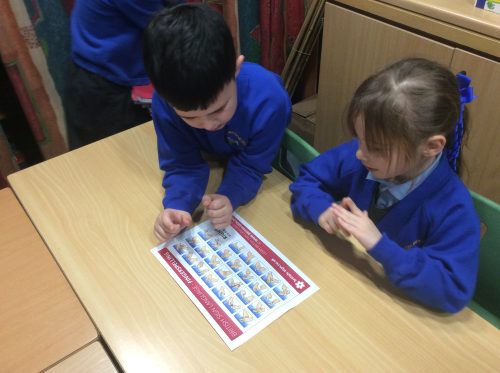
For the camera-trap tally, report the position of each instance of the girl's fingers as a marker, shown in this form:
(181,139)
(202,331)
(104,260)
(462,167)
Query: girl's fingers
(343,203)
(346,218)
(351,206)
(329,228)
(344,227)
(339,210)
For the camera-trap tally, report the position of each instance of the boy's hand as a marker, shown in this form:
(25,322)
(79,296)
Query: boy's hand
(356,222)
(219,210)
(170,222)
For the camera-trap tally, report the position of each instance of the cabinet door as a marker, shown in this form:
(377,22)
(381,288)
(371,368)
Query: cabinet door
(354,47)
(482,150)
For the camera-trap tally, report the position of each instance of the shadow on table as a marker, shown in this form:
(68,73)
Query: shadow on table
(363,264)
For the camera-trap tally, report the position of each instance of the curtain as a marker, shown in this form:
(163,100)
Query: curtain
(264,30)
(35,40)
(34,48)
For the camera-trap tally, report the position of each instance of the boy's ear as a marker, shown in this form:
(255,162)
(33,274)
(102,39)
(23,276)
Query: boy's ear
(239,62)
(434,145)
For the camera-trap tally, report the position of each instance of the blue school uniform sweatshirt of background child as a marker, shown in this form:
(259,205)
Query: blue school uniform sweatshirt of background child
(106,37)
(249,141)
(430,239)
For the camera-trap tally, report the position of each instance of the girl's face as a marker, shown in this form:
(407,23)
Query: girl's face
(216,116)
(396,167)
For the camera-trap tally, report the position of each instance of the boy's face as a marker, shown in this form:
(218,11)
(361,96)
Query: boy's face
(216,116)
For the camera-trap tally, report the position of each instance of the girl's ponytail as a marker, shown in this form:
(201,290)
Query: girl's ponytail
(466,96)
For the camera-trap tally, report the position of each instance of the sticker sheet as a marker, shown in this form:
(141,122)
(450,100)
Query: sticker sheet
(237,279)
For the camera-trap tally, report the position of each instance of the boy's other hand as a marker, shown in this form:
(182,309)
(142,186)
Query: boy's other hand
(170,222)
(356,222)
(219,209)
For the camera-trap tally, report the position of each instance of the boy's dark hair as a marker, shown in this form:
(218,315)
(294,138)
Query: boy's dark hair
(189,55)
(406,103)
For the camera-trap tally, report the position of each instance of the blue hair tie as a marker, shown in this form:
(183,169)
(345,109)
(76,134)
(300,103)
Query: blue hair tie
(466,96)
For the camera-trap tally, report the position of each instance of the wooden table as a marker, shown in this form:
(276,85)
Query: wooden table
(41,319)
(91,359)
(95,208)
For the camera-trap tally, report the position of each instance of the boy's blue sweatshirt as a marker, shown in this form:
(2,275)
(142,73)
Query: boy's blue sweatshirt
(106,38)
(250,141)
(430,239)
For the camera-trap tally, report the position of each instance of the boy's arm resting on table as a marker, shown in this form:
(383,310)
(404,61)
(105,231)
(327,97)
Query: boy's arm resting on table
(186,173)
(245,170)
(442,272)
(321,180)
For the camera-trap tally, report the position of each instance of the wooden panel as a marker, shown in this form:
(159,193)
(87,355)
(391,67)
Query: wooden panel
(91,359)
(461,13)
(482,154)
(355,46)
(476,32)
(41,319)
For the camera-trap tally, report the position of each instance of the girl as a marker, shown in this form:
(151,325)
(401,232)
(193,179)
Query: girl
(395,188)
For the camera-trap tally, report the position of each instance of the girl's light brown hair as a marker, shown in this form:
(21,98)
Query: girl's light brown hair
(405,104)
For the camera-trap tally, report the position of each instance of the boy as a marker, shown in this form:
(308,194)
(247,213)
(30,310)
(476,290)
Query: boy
(209,102)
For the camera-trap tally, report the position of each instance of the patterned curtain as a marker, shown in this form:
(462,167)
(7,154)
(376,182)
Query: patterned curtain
(264,30)
(34,47)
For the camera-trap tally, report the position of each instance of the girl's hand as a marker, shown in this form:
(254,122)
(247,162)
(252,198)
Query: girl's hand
(356,222)
(327,221)
(219,209)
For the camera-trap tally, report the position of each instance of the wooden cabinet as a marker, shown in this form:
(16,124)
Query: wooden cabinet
(355,46)
(356,43)
(482,153)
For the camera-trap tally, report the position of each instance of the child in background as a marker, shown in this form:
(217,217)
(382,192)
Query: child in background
(106,62)
(208,102)
(395,188)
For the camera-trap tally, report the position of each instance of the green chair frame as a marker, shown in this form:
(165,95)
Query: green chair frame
(293,151)
(486,299)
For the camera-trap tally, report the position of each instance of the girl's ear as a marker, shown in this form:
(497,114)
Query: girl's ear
(434,145)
